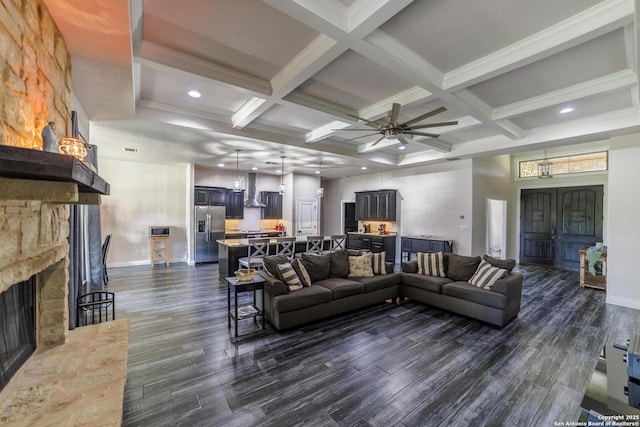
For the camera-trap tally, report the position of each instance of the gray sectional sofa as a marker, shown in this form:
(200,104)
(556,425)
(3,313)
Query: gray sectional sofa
(496,306)
(333,292)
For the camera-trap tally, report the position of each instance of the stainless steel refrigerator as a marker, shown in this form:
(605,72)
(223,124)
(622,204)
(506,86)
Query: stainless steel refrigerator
(209,228)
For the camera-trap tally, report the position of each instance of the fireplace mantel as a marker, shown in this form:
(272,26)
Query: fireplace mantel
(39,175)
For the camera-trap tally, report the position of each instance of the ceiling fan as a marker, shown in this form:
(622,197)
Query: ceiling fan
(395,130)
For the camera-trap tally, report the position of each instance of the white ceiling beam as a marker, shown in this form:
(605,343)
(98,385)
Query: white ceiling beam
(364,16)
(589,24)
(611,82)
(479,109)
(405,98)
(162,58)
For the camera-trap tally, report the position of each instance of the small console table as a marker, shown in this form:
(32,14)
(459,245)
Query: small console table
(249,311)
(413,245)
(159,249)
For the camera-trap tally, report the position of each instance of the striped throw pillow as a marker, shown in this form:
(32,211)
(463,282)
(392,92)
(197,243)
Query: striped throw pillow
(301,271)
(377,261)
(486,275)
(431,264)
(289,277)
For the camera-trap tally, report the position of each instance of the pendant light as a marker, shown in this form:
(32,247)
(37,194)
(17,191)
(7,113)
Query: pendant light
(320,190)
(237,184)
(282,189)
(544,167)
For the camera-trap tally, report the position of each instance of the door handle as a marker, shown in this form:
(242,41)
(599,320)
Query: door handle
(208,227)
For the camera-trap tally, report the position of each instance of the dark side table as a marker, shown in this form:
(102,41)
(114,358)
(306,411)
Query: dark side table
(249,311)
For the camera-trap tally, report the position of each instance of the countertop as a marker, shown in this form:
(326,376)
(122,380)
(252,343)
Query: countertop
(391,233)
(245,242)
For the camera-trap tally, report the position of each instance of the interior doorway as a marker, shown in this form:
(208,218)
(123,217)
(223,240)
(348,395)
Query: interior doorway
(307,217)
(496,228)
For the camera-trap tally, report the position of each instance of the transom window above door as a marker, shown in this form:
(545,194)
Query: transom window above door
(579,163)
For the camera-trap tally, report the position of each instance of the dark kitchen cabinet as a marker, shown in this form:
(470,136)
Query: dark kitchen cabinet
(377,205)
(209,196)
(234,204)
(412,245)
(273,202)
(374,243)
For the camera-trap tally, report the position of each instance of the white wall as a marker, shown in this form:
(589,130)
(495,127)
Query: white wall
(492,178)
(623,280)
(142,195)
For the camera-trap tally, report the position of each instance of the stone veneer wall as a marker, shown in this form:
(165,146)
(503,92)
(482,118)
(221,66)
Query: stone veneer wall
(34,242)
(36,74)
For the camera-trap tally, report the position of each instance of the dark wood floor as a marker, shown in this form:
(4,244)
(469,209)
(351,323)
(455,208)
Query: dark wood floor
(401,365)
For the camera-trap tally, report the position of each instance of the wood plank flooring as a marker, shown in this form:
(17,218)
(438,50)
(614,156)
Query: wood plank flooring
(400,365)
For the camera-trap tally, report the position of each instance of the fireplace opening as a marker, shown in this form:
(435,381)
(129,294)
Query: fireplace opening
(17,327)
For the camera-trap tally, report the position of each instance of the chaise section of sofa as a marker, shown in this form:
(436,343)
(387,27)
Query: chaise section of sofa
(497,305)
(332,291)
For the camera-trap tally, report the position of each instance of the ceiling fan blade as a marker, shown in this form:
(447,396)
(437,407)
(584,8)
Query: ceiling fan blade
(425,116)
(402,140)
(432,135)
(395,112)
(368,122)
(362,136)
(361,130)
(378,140)
(433,125)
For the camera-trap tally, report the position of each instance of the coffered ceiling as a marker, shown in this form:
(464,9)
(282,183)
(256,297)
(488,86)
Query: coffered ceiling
(279,77)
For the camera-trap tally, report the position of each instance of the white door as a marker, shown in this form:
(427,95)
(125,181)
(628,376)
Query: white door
(497,228)
(307,218)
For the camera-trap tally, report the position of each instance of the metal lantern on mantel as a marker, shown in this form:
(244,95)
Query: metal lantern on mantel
(545,167)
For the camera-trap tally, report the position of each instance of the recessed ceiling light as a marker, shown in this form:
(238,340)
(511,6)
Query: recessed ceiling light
(402,147)
(194,93)
(364,168)
(254,168)
(566,110)
(316,172)
(221,165)
(279,171)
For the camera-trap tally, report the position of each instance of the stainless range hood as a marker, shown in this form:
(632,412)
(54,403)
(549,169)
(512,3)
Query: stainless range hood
(252,201)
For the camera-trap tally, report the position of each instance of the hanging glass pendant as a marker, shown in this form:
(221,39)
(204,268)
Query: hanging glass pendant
(237,184)
(282,189)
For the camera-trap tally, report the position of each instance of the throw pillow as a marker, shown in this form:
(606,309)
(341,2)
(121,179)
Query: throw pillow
(486,275)
(302,272)
(270,264)
(289,277)
(507,264)
(377,261)
(431,264)
(339,264)
(360,266)
(317,265)
(461,267)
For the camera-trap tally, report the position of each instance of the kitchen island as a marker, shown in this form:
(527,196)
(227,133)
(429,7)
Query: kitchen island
(231,250)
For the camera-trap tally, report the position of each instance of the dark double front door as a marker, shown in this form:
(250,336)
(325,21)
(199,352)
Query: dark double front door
(557,222)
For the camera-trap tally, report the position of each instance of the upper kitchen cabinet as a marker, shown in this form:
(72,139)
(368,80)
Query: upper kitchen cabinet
(273,202)
(235,204)
(210,196)
(377,205)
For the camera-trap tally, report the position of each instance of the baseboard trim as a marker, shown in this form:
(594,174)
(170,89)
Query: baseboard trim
(624,302)
(143,262)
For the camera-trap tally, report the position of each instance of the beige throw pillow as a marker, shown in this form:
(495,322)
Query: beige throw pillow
(360,266)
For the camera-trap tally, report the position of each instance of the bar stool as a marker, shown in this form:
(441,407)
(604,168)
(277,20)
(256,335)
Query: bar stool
(314,244)
(338,242)
(286,246)
(258,249)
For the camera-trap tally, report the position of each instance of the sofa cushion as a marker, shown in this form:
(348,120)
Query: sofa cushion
(301,271)
(377,263)
(289,276)
(507,264)
(360,266)
(305,297)
(270,263)
(486,275)
(431,264)
(460,267)
(379,281)
(468,292)
(428,283)
(317,266)
(339,264)
(341,288)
